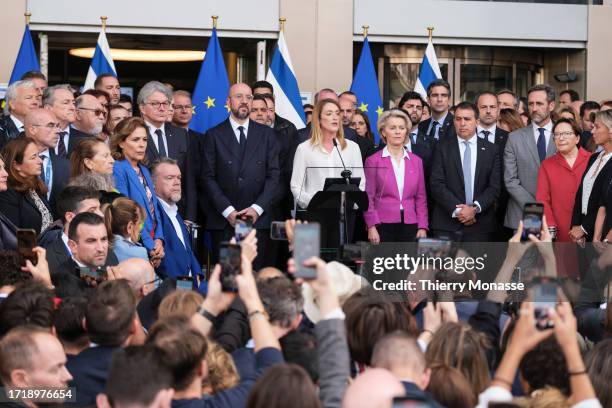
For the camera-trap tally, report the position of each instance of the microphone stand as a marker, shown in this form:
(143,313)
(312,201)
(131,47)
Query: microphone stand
(346,175)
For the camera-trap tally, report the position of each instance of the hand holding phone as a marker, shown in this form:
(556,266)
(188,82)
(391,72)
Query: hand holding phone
(278,231)
(230,261)
(307,243)
(532,220)
(26,241)
(242,228)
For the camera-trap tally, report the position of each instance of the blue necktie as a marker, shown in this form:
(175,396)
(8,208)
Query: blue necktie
(541,144)
(45,175)
(161,147)
(467,172)
(432,132)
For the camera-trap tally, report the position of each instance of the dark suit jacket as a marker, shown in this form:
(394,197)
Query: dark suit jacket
(8,234)
(447,130)
(8,130)
(448,190)
(231,180)
(20,209)
(193,211)
(89,370)
(74,138)
(599,189)
(501,137)
(61,174)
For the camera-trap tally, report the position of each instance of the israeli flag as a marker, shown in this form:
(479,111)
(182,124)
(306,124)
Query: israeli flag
(101,63)
(429,71)
(286,92)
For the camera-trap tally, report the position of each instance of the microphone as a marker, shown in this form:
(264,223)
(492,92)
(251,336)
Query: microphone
(346,174)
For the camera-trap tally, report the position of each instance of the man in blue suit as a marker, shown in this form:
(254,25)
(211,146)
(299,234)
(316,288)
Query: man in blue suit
(179,259)
(240,173)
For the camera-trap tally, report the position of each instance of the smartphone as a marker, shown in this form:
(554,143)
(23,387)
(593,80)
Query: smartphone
(306,244)
(184,283)
(278,232)
(434,247)
(544,298)
(532,220)
(242,228)
(98,274)
(229,259)
(26,241)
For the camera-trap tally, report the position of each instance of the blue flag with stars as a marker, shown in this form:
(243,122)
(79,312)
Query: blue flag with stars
(365,86)
(211,90)
(27,60)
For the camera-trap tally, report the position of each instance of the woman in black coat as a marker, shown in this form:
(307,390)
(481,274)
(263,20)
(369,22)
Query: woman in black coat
(24,202)
(8,237)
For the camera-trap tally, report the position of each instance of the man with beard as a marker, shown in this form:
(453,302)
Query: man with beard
(90,118)
(238,185)
(525,150)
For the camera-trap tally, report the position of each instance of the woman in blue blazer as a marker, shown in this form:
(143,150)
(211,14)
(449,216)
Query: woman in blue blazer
(132,179)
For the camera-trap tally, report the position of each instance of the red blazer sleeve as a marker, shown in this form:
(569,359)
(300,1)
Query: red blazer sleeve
(543,193)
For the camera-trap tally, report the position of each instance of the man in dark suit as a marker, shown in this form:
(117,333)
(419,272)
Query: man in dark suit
(465,181)
(240,172)
(165,139)
(488,112)
(42,126)
(60,100)
(112,323)
(440,125)
(89,121)
(21,97)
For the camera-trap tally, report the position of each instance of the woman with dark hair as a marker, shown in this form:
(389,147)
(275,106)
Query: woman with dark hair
(8,238)
(509,120)
(132,179)
(361,124)
(598,363)
(24,203)
(281,382)
(92,156)
(124,218)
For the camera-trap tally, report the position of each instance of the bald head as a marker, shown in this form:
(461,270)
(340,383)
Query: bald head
(42,126)
(269,273)
(138,272)
(375,388)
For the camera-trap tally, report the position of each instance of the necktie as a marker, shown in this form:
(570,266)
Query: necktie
(46,173)
(161,148)
(242,139)
(61,146)
(432,132)
(486,134)
(541,144)
(467,172)
(413,137)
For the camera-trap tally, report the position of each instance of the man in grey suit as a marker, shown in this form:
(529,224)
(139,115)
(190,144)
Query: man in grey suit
(525,150)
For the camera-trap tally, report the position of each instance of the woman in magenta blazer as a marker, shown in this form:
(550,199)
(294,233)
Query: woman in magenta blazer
(395,184)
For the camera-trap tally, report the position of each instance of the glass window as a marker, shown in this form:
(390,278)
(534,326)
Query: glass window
(402,78)
(476,78)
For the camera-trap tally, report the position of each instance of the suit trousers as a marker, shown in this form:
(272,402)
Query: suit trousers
(263,237)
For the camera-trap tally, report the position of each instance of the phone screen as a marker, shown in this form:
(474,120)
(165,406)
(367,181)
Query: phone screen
(278,232)
(544,297)
(242,228)
(184,283)
(432,247)
(229,259)
(26,241)
(306,244)
(532,220)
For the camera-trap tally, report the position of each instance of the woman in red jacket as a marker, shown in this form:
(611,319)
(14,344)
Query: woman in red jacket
(558,181)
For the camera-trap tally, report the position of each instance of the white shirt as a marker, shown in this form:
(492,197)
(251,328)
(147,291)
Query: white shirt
(474,152)
(312,164)
(591,176)
(47,162)
(235,126)
(152,130)
(492,129)
(399,170)
(18,123)
(65,241)
(547,132)
(408,146)
(66,136)
(172,211)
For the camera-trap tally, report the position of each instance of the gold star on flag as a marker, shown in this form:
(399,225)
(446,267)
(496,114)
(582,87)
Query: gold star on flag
(379,111)
(363,107)
(227,106)
(193,110)
(210,102)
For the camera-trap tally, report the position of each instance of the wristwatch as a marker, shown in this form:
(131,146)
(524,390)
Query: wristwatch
(207,315)
(262,313)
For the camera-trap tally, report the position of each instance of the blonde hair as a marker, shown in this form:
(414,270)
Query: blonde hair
(604,117)
(547,397)
(316,134)
(180,302)
(222,371)
(393,113)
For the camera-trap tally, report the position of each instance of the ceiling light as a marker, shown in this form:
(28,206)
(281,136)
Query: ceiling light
(122,54)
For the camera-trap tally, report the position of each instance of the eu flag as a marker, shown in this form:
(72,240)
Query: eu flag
(27,60)
(211,90)
(365,86)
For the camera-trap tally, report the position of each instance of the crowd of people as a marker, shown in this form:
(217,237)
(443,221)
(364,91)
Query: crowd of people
(117,301)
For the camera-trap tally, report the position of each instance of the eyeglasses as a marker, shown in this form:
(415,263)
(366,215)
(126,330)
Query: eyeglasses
(182,107)
(97,112)
(154,282)
(157,104)
(49,126)
(563,135)
(242,96)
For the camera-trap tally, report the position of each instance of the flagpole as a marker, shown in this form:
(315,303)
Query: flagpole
(365,30)
(103,18)
(27,15)
(214,21)
(282,21)
(430,31)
